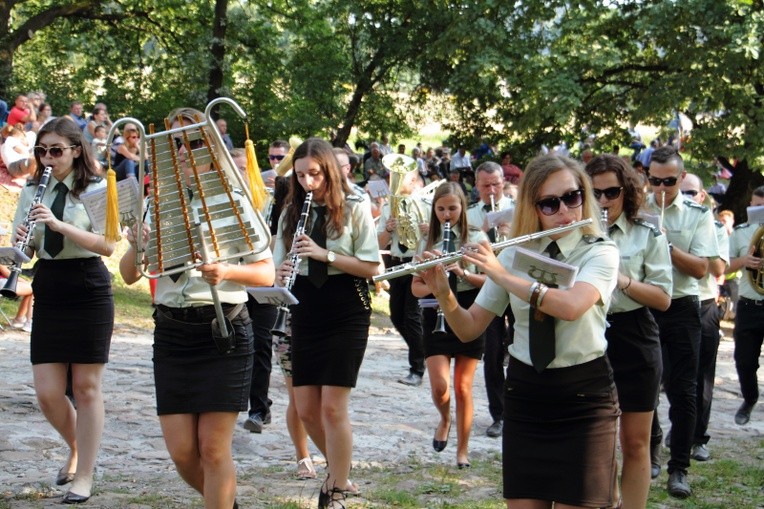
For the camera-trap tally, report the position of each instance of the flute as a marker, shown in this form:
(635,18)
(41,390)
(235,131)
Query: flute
(663,210)
(448,258)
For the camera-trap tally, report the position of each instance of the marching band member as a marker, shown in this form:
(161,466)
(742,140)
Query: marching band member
(560,406)
(330,325)
(489,180)
(749,319)
(634,348)
(689,228)
(449,206)
(199,389)
(74,306)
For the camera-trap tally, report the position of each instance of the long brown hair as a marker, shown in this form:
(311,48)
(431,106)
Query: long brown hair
(334,198)
(633,195)
(84,166)
(449,188)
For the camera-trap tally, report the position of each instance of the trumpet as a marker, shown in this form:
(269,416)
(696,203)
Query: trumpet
(447,258)
(604,222)
(9,290)
(280,326)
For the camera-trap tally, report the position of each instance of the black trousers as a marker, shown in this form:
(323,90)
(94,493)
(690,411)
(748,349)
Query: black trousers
(263,317)
(679,329)
(709,346)
(498,336)
(749,333)
(404,313)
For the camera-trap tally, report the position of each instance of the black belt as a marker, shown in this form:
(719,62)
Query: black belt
(752,302)
(197,314)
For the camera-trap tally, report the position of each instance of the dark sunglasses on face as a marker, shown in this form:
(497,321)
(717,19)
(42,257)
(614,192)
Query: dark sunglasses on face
(275,157)
(668,181)
(690,192)
(611,193)
(194,144)
(56,152)
(550,206)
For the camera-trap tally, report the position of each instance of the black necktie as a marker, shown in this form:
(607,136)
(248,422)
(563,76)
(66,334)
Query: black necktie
(541,328)
(402,247)
(54,241)
(492,231)
(318,270)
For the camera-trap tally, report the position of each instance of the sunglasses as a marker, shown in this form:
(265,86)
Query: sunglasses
(194,144)
(56,152)
(611,193)
(275,157)
(690,192)
(550,206)
(668,181)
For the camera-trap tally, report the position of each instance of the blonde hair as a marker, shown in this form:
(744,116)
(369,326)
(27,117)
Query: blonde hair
(536,174)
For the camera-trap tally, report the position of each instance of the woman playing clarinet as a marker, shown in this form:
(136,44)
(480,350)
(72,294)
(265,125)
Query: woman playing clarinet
(560,407)
(201,389)
(449,207)
(74,308)
(634,350)
(330,325)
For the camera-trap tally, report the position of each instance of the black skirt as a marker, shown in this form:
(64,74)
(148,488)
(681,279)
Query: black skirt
(559,439)
(191,375)
(448,344)
(330,330)
(634,351)
(73,312)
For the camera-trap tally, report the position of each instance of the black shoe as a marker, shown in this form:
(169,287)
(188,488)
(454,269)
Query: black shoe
(495,429)
(743,414)
(700,452)
(64,477)
(73,498)
(462,466)
(655,459)
(678,486)
(413,380)
(668,440)
(255,422)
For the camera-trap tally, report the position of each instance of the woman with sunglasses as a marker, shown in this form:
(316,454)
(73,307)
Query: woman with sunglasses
(330,325)
(127,157)
(200,389)
(559,416)
(74,308)
(450,205)
(634,350)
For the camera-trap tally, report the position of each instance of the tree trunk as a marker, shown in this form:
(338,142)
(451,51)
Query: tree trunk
(217,50)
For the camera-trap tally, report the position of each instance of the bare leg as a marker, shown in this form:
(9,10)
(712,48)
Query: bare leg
(50,384)
(298,434)
(464,374)
(215,439)
(86,384)
(180,435)
(339,434)
(439,371)
(527,503)
(635,445)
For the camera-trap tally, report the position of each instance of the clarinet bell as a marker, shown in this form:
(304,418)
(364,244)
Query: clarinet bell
(440,323)
(9,289)
(280,326)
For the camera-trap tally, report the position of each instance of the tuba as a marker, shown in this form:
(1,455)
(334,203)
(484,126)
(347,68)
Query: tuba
(756,276)
(407,209)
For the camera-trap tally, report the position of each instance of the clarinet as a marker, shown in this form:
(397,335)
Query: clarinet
(279,328)
(9,290)
(447,246)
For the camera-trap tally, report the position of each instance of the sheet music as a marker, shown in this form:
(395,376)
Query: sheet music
(544,269)
(377,188)
(755,214)
(129,204)
(275,295)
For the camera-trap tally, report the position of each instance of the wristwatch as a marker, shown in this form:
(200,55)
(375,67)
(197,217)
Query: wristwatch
(330,257)
(465,273)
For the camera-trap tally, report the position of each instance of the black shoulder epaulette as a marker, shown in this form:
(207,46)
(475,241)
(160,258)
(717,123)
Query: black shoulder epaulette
(647,224)
(694,205)
(591,239)
(473,205)
(94,178)
(744,225)
(31,182)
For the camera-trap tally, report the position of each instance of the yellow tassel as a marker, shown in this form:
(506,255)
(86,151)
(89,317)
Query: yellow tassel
(112,207)
(256,184)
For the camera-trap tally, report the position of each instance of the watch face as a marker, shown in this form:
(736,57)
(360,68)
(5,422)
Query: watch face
(330,257)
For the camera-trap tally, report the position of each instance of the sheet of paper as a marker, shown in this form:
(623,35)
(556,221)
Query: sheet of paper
(129,204)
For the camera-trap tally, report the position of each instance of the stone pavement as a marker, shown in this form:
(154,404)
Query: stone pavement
(392,424)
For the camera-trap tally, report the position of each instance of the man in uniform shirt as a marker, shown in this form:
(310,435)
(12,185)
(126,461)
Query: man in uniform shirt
(749,317)
(489,181)
(692,188)
(689,229)
(404,307)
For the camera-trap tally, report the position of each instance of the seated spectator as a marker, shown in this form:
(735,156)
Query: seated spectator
(17,151)
(23,318)
(3,112)
(75,113)
(456,176)
(21,113)
(127,157)
(45,115)
(36,99)
(510,190)
(99,144)
(512,172)
(98,118)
